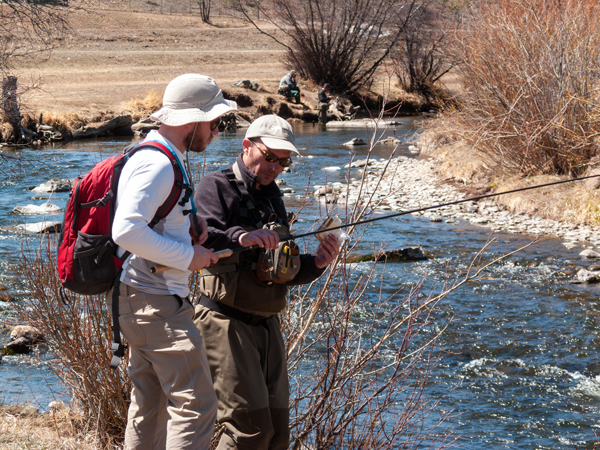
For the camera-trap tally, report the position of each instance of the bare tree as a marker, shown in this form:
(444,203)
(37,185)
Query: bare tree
(204,6)
(27,30)
(422,53)
(341,42)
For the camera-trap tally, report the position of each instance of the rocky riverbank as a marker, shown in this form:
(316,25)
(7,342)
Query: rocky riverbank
(410,184)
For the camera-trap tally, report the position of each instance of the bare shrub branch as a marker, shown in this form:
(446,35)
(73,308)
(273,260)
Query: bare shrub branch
(28,29)
(422,52)
(530,72)
(78,332)
(340,42)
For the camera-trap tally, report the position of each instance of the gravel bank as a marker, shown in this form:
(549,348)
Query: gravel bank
(413,184)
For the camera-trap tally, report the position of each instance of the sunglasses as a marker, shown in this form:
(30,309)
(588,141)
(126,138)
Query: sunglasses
(214,124)
(271,158)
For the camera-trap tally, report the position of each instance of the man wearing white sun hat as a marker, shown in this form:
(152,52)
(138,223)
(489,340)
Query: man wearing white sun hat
(173,403)
(242,296)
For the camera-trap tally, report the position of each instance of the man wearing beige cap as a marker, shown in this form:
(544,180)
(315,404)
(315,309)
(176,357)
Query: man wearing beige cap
(173,404)
(242,295)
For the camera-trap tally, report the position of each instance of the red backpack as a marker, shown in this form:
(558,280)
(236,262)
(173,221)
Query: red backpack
(87,261)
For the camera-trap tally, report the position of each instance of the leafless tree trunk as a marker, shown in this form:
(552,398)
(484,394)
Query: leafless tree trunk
(27,30)
(204,10)
(10,106)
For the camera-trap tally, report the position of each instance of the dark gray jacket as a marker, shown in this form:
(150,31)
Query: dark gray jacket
(218,202)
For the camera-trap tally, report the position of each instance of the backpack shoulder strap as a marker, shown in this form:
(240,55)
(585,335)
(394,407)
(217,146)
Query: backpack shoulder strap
(178,186)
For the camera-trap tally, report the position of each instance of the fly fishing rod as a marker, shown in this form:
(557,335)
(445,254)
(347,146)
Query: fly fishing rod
(228,252)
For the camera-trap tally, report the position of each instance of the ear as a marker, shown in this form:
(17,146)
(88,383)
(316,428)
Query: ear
(247,145)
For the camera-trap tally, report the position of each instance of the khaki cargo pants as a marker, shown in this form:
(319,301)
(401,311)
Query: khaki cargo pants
(173,403)
(249,371)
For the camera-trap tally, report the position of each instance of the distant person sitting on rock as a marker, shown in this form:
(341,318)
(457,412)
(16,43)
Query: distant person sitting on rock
(322,94)
(288,86)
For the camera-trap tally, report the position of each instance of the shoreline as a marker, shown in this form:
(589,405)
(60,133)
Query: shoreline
(414,183)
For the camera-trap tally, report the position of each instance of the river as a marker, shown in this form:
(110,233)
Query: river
(519,365)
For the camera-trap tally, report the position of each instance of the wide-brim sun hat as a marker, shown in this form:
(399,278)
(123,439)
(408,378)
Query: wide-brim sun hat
(192,98)
(276,133)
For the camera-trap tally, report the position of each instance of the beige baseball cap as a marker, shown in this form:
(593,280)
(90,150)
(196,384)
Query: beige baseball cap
(275,133)
(192,98)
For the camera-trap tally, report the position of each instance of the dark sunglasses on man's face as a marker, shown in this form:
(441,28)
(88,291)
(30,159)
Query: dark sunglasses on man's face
(271,158)
(214,124)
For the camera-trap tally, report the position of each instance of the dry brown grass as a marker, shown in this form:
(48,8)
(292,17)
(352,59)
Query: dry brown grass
(573,202)
(459,162)
(23,427)
(141,108)
(64,122)
(570,202)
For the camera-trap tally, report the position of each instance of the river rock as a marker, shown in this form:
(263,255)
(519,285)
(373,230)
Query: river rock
(588,253)
(390,141)
(4,294)
(23,337)
(56,405)
(92,130)
(55,185)
(46,208)
(246,84)
(586,276)
(324,190)
(401,255)
(354,142)
(35,228)
(435,218)
(358,164)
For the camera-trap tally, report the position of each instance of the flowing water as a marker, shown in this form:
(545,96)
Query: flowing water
(520,368)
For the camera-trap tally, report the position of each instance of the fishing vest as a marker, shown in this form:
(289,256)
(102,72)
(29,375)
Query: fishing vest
(233,281)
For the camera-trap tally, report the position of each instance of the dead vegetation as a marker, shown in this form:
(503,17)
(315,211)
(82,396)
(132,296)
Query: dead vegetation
(527,108)
(142,108)
(530,73)
(23,427)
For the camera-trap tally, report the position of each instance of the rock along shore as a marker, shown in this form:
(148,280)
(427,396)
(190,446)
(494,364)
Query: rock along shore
(411,184)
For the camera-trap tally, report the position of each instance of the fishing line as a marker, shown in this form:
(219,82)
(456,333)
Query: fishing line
(441,205)
(228,252)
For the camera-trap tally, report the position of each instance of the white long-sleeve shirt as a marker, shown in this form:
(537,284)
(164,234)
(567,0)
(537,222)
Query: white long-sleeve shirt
(145,183)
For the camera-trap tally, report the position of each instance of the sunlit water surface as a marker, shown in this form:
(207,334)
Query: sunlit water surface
(520,366)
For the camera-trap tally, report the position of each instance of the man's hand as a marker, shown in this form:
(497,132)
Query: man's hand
(328,250)
(199,240)
(203,257)
(264,238)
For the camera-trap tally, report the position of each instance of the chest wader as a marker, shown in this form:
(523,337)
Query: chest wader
(232,287)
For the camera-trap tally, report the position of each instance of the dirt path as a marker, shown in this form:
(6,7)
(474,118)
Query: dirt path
(115,56)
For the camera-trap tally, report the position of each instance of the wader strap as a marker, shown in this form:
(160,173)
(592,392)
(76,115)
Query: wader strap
(218,269)
(117,347)
(232,312)
(247,208)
